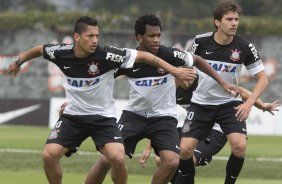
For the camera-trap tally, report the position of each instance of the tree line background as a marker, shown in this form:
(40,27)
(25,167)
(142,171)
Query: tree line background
(260,17)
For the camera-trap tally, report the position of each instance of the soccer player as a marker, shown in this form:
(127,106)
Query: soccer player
(216,139)
(226,52)
(90,112)
(151,111)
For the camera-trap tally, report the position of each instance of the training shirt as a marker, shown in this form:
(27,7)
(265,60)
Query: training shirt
(227,60)
(152,90)
(89,81)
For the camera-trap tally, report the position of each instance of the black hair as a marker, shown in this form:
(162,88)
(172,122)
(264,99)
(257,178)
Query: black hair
(224,6)
(82,23)
(141,22)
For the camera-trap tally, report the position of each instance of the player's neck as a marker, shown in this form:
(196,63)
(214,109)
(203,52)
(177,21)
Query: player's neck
(222,39)
(79,53)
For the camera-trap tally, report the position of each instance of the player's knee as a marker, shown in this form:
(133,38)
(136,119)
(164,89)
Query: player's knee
(118,161)
(104,163)
(49,157)
(186,152)
(239,149)
(172,164)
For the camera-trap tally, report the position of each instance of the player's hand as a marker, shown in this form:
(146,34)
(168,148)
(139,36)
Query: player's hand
(231,88)
(271,107)
(144,157)
(243,111)
(13,69)
(185,75)
(62,108)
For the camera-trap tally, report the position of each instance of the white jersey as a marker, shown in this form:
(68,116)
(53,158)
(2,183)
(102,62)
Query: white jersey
(152,90)
(227,60)
(89,81)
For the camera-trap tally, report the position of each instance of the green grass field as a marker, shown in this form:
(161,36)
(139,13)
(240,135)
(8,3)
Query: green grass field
(21,146)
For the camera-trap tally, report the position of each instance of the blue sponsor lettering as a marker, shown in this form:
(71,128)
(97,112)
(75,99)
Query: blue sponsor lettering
(83,83)
(151,82)
(223,67)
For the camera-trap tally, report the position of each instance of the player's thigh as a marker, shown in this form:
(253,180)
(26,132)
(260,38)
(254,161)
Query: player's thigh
(133,129)
(113,151)
(227,120)
(238,142)
(67,133)
(163,134)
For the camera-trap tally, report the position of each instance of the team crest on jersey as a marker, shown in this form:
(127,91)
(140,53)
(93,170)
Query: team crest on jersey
(235,55)
(160,70)
(93,68)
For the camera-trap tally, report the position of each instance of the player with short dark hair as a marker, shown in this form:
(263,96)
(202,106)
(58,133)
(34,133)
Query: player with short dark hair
(216,139)
(151,110)
(89,78)
(226,52)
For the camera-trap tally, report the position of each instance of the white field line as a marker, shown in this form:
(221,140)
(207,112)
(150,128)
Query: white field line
(13,150)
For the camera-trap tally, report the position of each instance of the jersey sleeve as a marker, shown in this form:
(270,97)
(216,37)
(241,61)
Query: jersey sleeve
(130,58)
(54,52)
(120,57)
(50,51)
(194,46)
(253,61)
(178,57)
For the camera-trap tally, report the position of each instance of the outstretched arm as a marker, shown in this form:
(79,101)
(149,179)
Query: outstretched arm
(204,66)
(23,57)
(244,109)
(182,74)
(269,107)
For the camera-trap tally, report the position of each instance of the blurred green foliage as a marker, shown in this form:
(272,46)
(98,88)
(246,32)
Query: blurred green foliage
(180,16)
(249,25)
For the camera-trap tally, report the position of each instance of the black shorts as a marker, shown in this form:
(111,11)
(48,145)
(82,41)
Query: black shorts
(71,130)
(201,118)
(205,150)
(160,130)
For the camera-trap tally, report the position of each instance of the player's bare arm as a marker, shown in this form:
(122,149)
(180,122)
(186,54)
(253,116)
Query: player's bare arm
(203,65)
(24,57)
(181,74)
(244,109)
(269,107)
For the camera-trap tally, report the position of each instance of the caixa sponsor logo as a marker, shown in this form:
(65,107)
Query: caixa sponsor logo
(83,83)
(151,82)
(223,67)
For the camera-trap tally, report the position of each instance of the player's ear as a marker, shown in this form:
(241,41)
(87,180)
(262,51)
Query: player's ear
(76,36)
(216,23)
(139,38)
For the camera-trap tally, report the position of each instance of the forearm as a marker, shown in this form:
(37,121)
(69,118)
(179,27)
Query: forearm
(31,54)
(153,60)
(204,66)
(245,94)
(260,86)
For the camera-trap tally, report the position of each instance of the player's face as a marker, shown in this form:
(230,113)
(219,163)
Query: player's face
(228,24)
(150,41)
(87,41)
